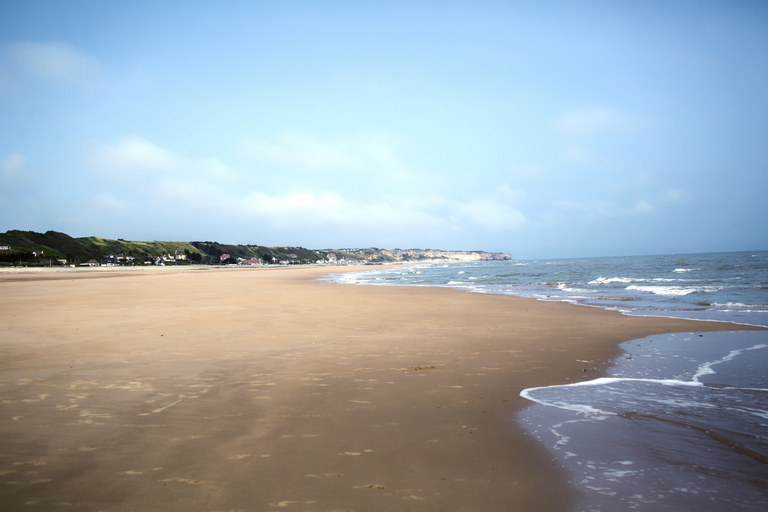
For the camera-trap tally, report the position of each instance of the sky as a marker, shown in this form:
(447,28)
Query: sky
(541,129)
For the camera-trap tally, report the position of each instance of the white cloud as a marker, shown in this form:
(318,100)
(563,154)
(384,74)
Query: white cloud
(140,176)
(675,195)
(215,168)
(643,207)
(296,205)
(294,149)
(52,61)
(132,153)
(13,165)
(494,211)
(369,151)
(595,121)
(329,209)
(161,181)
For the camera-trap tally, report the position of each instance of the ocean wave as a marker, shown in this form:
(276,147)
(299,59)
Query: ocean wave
(672,290)
(706,368)
(609,280)
(624,280)
(694,410)
(553,396)
(641,285)
(732,305)
(566,288)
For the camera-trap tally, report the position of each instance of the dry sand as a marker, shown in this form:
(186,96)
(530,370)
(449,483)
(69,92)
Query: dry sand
(262,389)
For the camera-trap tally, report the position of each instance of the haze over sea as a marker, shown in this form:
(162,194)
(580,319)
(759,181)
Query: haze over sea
(681,421)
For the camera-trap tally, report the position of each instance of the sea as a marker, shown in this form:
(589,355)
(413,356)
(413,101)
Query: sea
(680,421)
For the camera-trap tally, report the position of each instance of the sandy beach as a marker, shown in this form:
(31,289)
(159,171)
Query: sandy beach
(264,389)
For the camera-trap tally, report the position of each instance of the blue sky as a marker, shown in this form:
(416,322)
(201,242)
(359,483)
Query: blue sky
(543,129)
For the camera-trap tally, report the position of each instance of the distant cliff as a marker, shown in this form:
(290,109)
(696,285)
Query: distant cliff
(395,255)
(429,254)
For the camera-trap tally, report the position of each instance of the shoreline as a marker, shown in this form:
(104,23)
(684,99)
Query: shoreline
(253,390)
(694,440)
(690,313)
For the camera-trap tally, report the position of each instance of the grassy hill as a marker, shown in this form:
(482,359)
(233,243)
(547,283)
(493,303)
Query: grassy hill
(140,250)
(32,248)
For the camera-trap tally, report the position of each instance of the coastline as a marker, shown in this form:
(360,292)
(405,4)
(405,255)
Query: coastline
(250,389)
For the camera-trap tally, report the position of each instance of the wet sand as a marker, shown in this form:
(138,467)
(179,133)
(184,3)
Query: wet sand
(263,389)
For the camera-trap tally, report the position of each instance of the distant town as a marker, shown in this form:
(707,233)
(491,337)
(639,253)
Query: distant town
(52,248)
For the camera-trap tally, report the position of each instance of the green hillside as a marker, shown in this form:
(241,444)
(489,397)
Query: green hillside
(32,248)
(142,251)
(38,248)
